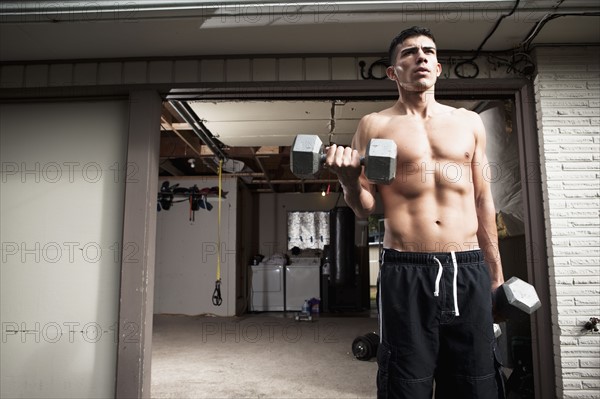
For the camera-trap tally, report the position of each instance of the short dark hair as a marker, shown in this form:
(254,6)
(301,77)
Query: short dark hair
(402,36)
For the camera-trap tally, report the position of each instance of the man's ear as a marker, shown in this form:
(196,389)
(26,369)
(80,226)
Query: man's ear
(391,73)
(438,68)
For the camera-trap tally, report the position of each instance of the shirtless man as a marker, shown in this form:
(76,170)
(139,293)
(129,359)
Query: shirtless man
(435,290)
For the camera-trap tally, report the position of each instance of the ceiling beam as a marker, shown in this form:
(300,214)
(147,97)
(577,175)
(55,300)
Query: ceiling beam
(268,150)
(293,181)
(182,126)
(168,166)
(164,123)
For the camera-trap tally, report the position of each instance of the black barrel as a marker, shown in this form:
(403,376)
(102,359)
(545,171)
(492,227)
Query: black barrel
(341,230)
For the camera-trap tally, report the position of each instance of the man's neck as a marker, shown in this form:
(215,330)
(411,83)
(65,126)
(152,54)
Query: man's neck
(417,103)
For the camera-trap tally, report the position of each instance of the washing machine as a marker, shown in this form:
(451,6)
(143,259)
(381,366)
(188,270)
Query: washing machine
(267,287)
(302,281)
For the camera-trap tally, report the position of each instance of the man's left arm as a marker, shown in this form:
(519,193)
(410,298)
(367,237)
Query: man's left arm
(487,232)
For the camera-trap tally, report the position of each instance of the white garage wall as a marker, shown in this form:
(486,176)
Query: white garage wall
(567,98)
(62,195)
(186,254)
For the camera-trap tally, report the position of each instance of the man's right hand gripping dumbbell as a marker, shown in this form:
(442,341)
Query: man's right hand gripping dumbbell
(308,157)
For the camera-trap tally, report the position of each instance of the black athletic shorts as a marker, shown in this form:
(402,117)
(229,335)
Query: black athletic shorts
(435,320)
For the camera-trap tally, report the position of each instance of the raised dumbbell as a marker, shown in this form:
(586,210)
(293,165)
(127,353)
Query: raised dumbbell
(514,297)
(308,155)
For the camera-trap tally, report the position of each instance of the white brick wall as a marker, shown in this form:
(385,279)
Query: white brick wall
(567,95)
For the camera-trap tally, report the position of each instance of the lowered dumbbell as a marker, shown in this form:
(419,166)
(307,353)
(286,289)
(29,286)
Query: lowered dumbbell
(497,330)
(514,297)
(365,346)
(308,155)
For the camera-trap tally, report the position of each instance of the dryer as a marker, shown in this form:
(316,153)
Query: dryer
(302,281)
(267,287)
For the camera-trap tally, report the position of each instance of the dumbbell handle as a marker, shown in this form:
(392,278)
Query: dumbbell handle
(308,156)
(372,173)
(324,157)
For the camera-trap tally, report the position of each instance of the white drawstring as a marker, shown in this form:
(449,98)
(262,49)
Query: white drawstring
(436,291)
(454,285)
(380,307)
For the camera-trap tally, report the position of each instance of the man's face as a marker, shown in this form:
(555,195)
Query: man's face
(416,67)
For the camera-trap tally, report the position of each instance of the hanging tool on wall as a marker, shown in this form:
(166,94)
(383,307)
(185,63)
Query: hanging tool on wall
(195,197)
(217,300)
(198,200)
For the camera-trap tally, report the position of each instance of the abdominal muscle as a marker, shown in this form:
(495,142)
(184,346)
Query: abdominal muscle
(435,221)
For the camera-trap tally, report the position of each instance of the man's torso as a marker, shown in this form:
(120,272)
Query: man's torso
(430,207)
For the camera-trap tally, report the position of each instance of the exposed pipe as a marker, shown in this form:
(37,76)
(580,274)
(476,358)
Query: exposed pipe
(110,6)
(76,11)
(289,181)
(198,127)
(245,174)
(268,180)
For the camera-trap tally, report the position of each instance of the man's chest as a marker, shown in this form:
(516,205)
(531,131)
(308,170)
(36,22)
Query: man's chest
(435,140)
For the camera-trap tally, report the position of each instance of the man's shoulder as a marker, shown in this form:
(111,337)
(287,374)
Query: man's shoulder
(373,119)
(371,126)
(382,116)
(464,116)
(467,112)
(471,117)
(459,112)
(375,115)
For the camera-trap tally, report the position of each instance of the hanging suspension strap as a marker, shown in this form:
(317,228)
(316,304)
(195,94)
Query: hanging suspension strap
(217,300)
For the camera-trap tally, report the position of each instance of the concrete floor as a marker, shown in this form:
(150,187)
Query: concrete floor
(260,356)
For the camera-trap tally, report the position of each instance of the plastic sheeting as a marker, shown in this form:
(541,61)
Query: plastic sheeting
(308,230)
(503,171)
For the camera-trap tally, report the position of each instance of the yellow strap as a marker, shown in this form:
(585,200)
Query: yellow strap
(219,225)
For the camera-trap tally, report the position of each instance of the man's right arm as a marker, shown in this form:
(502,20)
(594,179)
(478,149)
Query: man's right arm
(360,199)
(345,162)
